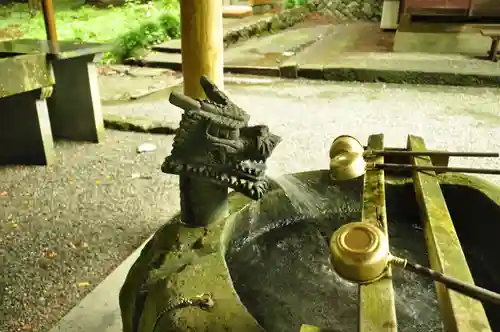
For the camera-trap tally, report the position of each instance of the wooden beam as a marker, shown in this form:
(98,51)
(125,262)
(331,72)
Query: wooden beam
(459,312)
(202,44)
(377,310)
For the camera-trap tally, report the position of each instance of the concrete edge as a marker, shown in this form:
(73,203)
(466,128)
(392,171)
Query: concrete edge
(340,74)
(365,75)
(100,310)
(138,125)
(406,77)
(253,70)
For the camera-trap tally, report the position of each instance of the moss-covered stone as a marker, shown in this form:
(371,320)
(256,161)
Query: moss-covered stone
(137,124)
(24,73)
(181,262)
(267,24)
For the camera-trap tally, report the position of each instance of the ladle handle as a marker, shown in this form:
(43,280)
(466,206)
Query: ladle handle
(430,153)
(437,168)
(472,291)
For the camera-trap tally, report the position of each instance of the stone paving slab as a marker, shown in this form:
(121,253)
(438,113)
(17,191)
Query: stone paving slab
(453,43)
(170,46)
(266,51)
(412,68)
(272,50)
(161,60)
(236,29)
(449,63)
(125,83)
(229,24)
(346,38)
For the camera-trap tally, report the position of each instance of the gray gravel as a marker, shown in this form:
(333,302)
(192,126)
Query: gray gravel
(92,227)
(89,211)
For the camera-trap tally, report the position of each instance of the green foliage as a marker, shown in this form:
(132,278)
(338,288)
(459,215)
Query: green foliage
(132,27)
(296,3)
(165,26)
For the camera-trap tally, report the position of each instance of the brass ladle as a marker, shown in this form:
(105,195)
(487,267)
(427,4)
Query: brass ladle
(347,160)
(346,143)
(360,253)
(350,165)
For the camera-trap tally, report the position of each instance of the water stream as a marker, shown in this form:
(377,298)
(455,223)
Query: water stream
(306,201)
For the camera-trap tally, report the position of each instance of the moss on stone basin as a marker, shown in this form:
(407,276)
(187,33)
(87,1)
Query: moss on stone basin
(267,265)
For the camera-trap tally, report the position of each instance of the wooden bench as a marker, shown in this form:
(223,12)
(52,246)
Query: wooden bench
(494,34)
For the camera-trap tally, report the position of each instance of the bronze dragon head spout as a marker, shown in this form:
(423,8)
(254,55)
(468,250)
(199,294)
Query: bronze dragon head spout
(215,143)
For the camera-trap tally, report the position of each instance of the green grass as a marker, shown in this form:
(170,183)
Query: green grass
(131,27)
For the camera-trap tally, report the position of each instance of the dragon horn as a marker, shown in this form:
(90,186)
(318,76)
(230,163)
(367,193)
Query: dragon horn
(213,93)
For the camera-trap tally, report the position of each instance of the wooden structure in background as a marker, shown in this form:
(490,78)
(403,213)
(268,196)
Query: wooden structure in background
(465,8)
(201,44)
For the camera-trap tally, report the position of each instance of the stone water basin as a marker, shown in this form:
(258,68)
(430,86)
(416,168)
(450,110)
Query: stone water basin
(267,268)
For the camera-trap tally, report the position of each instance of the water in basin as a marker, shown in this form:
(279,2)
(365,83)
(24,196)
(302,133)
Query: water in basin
(279,257)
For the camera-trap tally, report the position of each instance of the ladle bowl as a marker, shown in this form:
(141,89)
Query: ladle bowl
(359,252)
(347,165)
(345,143)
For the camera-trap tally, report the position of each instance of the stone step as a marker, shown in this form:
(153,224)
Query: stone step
(236,11)
(268,51)
(445,42)
(399,68)
(272,50)
(229,24)
(170,46)
(171,61)
(345,38)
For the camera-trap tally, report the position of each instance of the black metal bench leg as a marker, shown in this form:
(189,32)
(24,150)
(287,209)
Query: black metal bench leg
(25,133)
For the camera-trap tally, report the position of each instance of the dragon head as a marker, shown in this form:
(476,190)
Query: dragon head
(215,143)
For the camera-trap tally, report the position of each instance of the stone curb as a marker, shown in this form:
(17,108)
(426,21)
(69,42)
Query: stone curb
(138,125)
(253,70)
(409,77)
(319,72)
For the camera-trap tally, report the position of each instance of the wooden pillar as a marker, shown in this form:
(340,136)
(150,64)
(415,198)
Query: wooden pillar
(202,44)
(202,54)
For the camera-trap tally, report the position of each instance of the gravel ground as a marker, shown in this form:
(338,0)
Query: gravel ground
(72,223)
(65,227)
